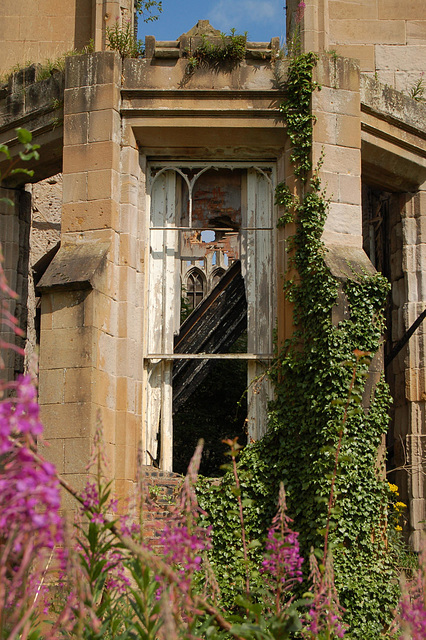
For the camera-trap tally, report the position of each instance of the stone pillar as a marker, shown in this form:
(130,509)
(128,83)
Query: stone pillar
(337,141)
(414,266)
(89,327)
(309,24)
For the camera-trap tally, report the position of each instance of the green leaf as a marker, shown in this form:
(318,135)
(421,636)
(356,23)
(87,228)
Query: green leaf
(24,136)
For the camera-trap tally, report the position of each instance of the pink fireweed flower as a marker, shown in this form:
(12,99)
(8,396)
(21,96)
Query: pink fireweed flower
(90,496)
(412,606)
(184,548)
(183,541)
(300,12)
(31,530)
(282,564)
(325,612)
(29,490)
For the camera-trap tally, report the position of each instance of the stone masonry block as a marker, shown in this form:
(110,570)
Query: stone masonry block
(420,258)
(76,454)
(104,389)
(93,214)
(125,462)
(127,250)
(66,420)
(344,219)
(89,157)
(129,191)
(337,129)
(418,202)
(107,418)
(123,314)
(416,31)
(349,189)
(342,101)
(67,348)
(68,309)
(405,81)
(128,429)
(69,504)
(124,489)
(338,159)
(409,231)
(330,182)
(129,219)
(54,451)
(409,58)
(367,31)
(105,313)
(396,10)
(91,98)
(417,513)
(338,73)
(104,125)
(362,52)
(340,9)
(51,386)
(103,184)
(75,187)
(130,161)
(106,353)
(93,68)
(78,385)
(122,400)
(76,128)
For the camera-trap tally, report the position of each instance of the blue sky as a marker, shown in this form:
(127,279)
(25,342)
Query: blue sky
(262,19)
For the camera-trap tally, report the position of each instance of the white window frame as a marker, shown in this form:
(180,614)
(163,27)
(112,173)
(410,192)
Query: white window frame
(163,284)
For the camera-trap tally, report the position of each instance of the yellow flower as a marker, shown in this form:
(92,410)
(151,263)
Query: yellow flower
(398,528)
(400,505)
(393,488)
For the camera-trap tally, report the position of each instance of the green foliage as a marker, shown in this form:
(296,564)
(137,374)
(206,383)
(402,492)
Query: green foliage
(30,152)
(297,112)
(122,39)
(146,8)
(313,374)
(417,91)
(229,52)
(50,66)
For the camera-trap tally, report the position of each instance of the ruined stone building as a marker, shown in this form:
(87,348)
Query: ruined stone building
(154,195)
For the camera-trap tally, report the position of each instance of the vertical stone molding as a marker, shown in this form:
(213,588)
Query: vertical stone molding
(414,264)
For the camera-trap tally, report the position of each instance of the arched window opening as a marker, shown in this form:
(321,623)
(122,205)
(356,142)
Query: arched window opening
(195,288)
(216,277)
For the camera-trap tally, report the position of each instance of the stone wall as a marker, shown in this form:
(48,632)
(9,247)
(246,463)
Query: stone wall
(55,27)
(388,37)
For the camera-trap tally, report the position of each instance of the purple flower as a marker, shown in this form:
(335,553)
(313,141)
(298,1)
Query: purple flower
(412,613)
(282,564)
(300,12)
(325,613)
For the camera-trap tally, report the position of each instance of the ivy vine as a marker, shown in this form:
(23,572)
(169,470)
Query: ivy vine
(312,375)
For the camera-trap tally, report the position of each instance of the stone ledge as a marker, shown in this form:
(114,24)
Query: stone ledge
(74,266)
(392,105)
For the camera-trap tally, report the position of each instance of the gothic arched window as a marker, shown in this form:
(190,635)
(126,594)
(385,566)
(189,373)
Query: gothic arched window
(217,274)
(195,288)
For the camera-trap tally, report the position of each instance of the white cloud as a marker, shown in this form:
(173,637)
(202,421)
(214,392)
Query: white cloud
(242,14)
